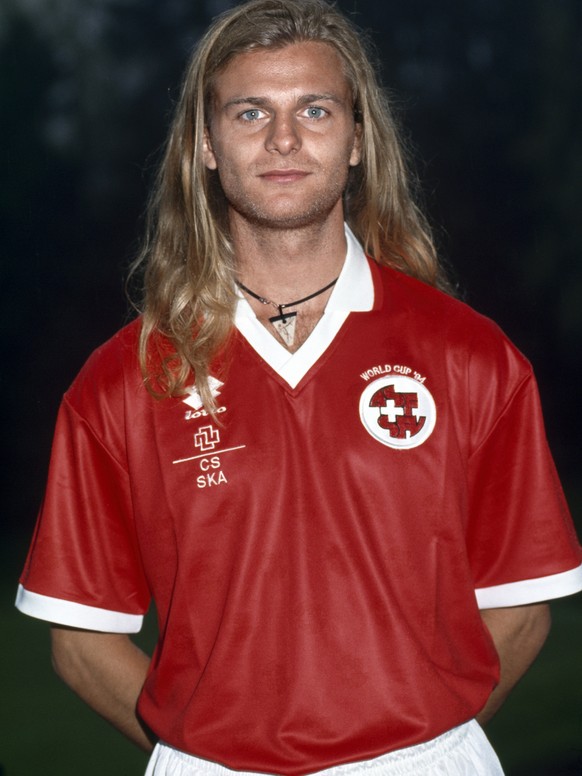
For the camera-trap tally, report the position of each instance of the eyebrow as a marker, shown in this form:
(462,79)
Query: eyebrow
(305,99)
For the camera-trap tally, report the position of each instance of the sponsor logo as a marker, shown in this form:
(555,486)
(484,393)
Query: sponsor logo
(209,460)
(193,399)
(398,411)
(193,414)
(206,438)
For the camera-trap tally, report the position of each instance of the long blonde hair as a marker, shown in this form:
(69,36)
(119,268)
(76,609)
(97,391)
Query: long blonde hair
(187,255)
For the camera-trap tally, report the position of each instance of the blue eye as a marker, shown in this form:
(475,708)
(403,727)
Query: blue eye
(251,115)
(315,113)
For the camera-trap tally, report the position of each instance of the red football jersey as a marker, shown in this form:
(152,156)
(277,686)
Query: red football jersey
(318,554)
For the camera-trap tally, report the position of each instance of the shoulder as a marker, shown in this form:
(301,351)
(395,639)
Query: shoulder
(109,372)
(408,295)
(450,325)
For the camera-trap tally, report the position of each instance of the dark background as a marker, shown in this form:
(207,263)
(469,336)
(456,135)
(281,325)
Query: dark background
(490,97)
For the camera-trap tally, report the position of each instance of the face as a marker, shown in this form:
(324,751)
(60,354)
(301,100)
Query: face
(282,135)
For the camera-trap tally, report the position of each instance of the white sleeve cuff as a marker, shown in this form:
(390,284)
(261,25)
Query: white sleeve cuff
(530,591)
(76,615)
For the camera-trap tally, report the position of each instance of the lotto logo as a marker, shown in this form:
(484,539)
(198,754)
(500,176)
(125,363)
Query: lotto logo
(398,411)
(194,399)
(206,438)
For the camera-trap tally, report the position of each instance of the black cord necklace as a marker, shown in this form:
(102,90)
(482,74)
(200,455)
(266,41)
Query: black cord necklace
(284,323)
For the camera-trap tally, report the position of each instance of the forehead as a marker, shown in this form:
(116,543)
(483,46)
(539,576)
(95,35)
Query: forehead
(310,67)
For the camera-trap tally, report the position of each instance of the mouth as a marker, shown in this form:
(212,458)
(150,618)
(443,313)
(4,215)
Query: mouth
(284,175)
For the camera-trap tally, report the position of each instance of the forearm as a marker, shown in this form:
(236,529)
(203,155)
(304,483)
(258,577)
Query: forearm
(107,670)
(518,634)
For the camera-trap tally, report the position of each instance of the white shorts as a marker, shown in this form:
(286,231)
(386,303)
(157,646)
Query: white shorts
(463,751)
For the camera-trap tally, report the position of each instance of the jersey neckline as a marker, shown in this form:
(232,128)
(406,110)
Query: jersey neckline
(353,292)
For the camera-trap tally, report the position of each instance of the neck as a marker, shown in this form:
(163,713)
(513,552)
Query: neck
(287,264)
(281,267)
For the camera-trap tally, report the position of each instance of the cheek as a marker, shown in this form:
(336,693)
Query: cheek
(233,174)
(230,168)
(340,151)
(231,153)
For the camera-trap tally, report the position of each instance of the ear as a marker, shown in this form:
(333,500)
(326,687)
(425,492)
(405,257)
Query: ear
(356,155)
(207,152)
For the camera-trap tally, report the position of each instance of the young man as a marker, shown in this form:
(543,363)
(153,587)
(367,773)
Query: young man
(331,476)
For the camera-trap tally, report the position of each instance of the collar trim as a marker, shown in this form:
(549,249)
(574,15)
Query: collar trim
(353,292)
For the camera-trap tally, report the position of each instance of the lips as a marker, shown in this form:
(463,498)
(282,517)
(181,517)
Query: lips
(284,176)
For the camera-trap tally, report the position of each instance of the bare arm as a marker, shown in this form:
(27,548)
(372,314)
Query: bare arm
(107,670)
(518,633)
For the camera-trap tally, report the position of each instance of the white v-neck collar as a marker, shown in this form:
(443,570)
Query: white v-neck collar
(353,292)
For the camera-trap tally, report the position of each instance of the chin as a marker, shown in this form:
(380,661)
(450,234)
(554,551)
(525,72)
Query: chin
(286,218)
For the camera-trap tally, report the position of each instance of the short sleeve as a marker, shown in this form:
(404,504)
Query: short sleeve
(521,540)
(84,567)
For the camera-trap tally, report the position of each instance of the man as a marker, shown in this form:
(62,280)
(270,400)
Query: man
(331,477)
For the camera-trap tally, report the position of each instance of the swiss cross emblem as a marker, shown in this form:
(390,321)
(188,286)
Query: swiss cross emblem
(206,438)
(398,411)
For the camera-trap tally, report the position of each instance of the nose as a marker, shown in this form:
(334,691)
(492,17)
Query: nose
(283,135)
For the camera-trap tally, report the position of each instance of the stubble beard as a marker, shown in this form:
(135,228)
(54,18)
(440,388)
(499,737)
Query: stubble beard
(258,214)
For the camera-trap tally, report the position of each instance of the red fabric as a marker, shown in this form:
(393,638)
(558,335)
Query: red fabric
(316,595)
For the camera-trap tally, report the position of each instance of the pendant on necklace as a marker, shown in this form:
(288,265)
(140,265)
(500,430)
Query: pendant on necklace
(285,326)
